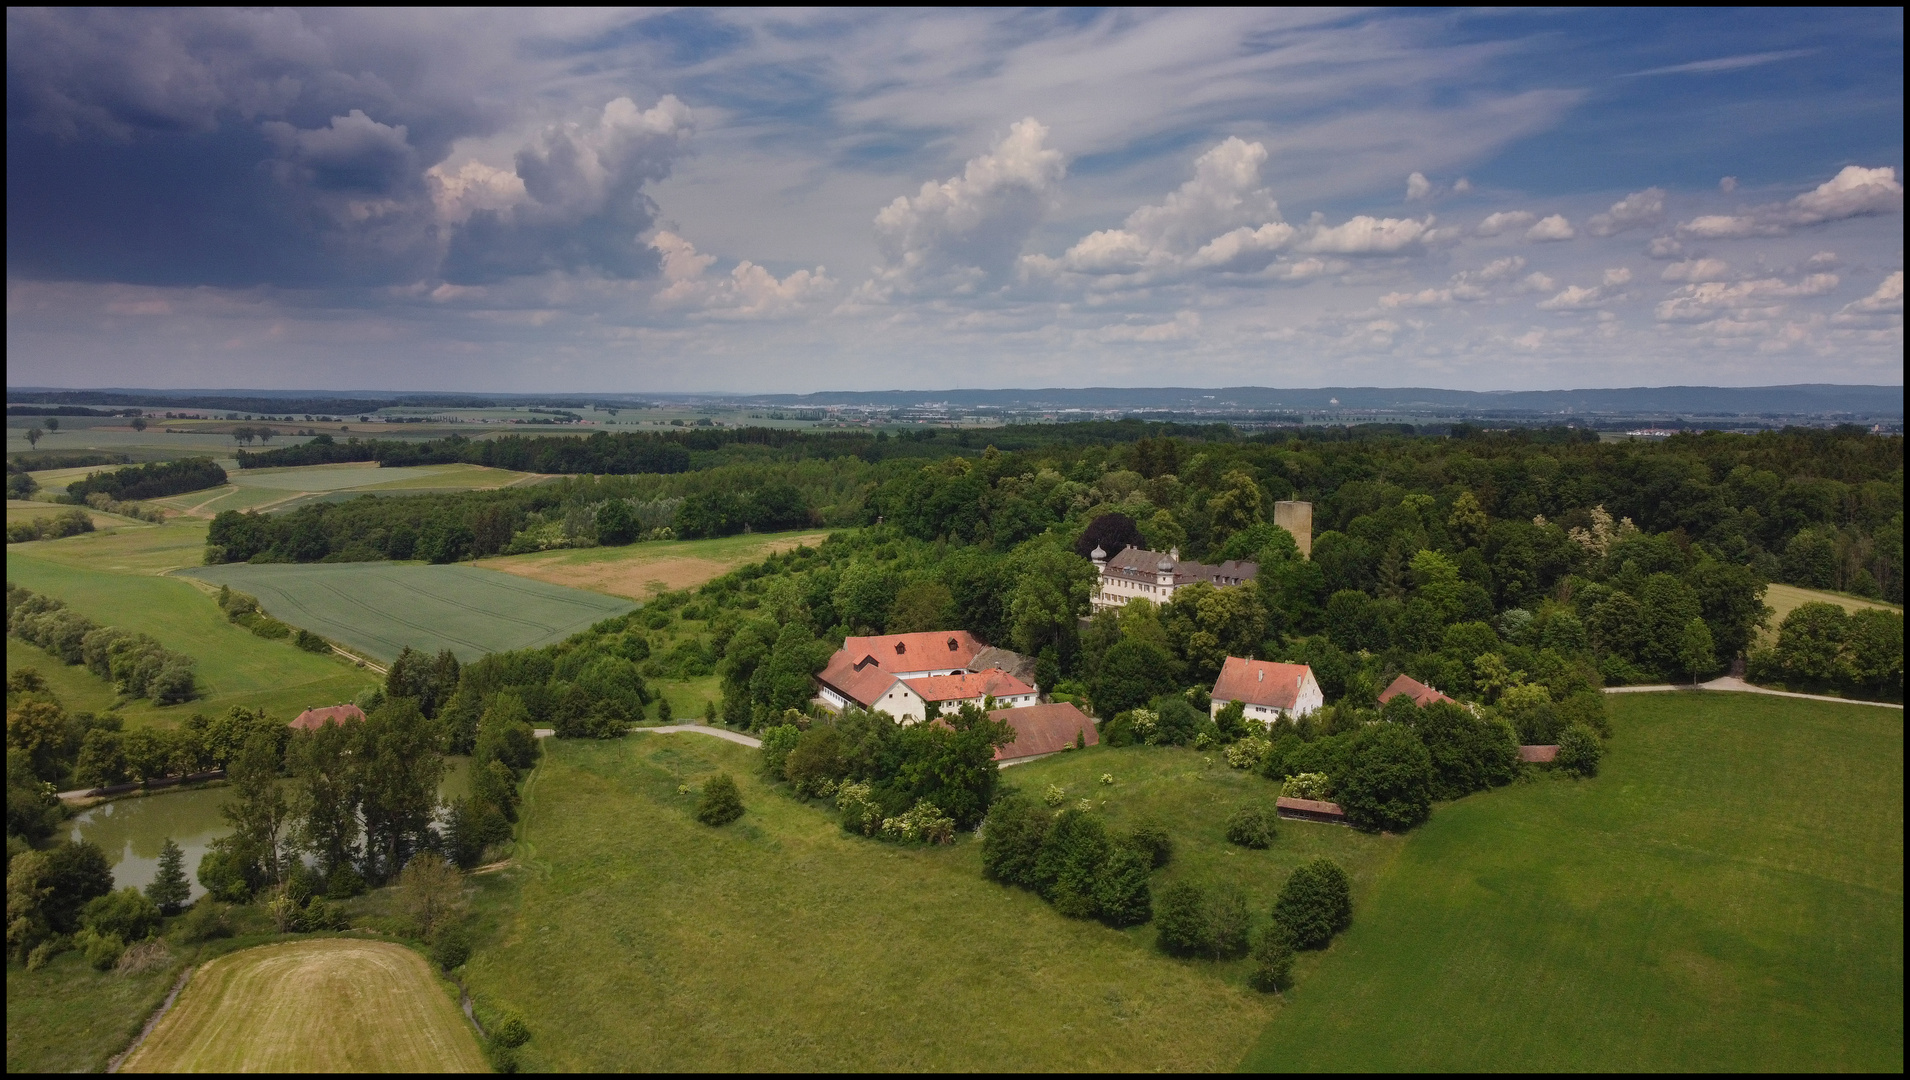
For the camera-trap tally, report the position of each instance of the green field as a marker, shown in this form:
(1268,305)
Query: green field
(1726,895)
(641,570)
(1784,599)
(328,1005)
(235,667)
(380,607)
(66,1017)
(632,937)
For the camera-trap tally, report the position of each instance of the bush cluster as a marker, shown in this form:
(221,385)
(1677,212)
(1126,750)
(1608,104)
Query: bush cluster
(1821,648)
(51,527)
(1071,861)
(136,664)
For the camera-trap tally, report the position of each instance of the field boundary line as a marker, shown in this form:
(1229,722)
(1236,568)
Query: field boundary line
(1727,684)
(704,729)
(151,1021)
(366,661)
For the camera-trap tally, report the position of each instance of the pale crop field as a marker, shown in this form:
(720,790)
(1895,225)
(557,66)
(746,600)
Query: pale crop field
(333,1005)
(379,608)
(1784,599)
(642,570)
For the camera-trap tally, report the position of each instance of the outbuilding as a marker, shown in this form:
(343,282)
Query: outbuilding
(1041,730)
(1267,691)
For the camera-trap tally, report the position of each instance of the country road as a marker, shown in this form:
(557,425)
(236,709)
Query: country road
(1739,686)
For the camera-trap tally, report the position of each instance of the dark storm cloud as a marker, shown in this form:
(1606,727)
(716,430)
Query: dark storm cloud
(207,146)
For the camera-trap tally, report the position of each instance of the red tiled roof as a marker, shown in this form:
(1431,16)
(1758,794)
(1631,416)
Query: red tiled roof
(859,684)
(1421,694)
(313,719)
(1043,729)
(1260,682)
(1307,806)
(1540,754)
(924,651)
(963,687)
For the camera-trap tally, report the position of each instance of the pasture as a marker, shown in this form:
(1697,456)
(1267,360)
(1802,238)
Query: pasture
(640,571)
(18,510)
(328,1005)
(1784,599)
(279,489)
(378,608)
(66,1017)
(1726,895)
(630,936)
(234,667)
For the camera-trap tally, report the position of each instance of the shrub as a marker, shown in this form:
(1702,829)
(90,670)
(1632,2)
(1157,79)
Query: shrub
(1308,785)
(1579,750)
(1388,779)
(451,948)
(343,884)
(721,802)
(923,823)
(1180,917)
(430,891)
(204,921)
(1249,753)
(1272,960)
(1121,890)
(1315,904)
(815,763)
(1250,827)
(321,915)
(1227,922)
(860,814)
(1054,795)
(1011,840)
(310,642)
(511,1031)
(1153,839)
(1070,862)
(101,950)
(147,956)
(127,915)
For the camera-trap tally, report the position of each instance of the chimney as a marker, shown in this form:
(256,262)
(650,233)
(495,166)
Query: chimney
(1260,675)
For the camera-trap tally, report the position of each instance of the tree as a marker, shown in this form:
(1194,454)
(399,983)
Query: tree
(1070,862)
(1468,521)
(53,423)
(400,765)
(257,811)
(169,888)
(1250,827)
(128,915)
(1121,890)
(1272,960)
(616,524)
(325,801)
(720,803)
(1012,840)
(1469,753)
(1315,903)
(1695,655)
(430,891)
(75,872)
(139,423)
(1109,532)
(34,435)
(1227,923)
(921,605)
(1132,672)
(1386,782)
(1238,504)
(1580,750)
(1180,918)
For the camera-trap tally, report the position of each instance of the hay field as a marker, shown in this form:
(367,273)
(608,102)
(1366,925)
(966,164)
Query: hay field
(279,489)
(332,1005)
(380,607)
(1727,895)
(640,571)
(1784,599)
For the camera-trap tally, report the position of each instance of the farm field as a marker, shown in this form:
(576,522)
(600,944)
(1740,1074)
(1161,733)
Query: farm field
(330,1005)
(381,607)
(234,667)
(278,489)
(19,510)
(1726,895)
(132,549)
(66,1017)
(1784,599)
(639,571)
(781,943)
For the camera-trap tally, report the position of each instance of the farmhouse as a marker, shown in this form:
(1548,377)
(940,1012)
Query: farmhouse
(1421,694)
(1267,691)
(1041,730)
(900,674)
(313,719)
(1137,573)
(908,699)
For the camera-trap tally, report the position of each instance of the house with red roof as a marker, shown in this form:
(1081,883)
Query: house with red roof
(313,719)
(900,674)
(1266,690)
(1421,694)
(1041,730)
(908,699)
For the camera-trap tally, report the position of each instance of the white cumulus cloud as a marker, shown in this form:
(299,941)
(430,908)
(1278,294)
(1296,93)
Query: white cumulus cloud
(1887,300)
(1417,187)
(1504,221)
(1854,192)
(1365,235)
(1185,325)
(1639,210)
(1763,297)
(748,291)
(1698,270)
(1551,228)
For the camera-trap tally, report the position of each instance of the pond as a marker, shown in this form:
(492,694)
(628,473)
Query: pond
(131,831)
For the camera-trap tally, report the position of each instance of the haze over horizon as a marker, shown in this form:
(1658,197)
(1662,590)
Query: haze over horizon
(791,202)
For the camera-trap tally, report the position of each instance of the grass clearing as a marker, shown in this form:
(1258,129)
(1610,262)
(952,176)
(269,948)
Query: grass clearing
(329,1005)
(640,571)
(1726,895)
(66,1017)
(630,936)
(380,607)
(235,667)
(1784,599)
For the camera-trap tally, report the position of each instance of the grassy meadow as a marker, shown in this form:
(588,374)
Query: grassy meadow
(66,1017)
(630,936)
(640,571)
(325,1005)
(1784,599)
(380,607)
(1726,895)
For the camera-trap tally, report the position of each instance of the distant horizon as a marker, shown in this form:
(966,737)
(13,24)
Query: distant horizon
(103,388)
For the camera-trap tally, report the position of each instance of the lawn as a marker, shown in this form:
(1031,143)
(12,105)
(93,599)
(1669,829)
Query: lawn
(234,666)
(641,570)
(328,1005)
(380,607)
(1726,895)
(66,1017)
(1784,599)
(630,936)
(18,510)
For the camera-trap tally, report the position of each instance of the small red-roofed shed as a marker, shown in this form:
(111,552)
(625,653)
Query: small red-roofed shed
(313,719)
(1421,694)
(1044,729)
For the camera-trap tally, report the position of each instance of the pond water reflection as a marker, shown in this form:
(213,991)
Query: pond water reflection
(131,831)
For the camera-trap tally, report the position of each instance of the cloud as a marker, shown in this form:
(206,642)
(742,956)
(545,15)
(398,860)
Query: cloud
(1764,296)
(1185,325)
(1417,187)
(1698,270)
(969,229)
(1639,210)
(1537,282)
(749,291)
(1587,297)
(583,208)
(1728,184)
(1723,63)
(1462,186)
(1551,228)
(1363,235)
(1504,221)
(1854,192)
(1887,300)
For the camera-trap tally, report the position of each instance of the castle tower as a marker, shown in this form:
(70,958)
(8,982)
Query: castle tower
(1296,518)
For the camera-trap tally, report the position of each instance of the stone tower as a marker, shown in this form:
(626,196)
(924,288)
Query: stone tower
(1296,518)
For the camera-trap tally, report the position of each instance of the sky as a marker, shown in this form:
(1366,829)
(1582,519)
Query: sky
(799,201)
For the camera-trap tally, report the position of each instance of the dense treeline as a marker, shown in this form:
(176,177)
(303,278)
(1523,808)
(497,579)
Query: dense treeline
(153,481)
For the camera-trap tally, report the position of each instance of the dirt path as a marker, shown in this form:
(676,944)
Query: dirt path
(1739,686)
(702,729)
(151,1021)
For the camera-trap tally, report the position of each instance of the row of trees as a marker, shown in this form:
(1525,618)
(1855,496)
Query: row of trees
(1824,649)
(152,481)
(136,664)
